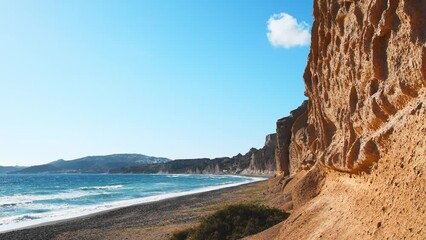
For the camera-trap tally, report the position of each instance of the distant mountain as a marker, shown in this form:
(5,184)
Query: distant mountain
(94,164)
(10,169)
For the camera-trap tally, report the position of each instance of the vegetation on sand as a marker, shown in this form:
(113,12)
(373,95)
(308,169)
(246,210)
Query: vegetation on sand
(234,222)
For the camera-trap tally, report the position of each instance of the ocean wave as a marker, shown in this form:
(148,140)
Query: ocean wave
(14,200)
(177,175)
(25,218)
(102,187)
(17,219)
(8,204)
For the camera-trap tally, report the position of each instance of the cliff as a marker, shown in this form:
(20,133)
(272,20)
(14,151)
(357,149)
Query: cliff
(259,162)
(366,73)
(357,155)
(262,161)
(284,139)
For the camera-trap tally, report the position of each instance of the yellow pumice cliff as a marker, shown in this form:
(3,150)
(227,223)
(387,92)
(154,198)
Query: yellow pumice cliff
(360,149)
(365,71)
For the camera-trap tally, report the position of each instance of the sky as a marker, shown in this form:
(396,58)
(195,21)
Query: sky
(166,78)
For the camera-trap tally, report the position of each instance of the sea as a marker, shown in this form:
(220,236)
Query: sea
(27,200)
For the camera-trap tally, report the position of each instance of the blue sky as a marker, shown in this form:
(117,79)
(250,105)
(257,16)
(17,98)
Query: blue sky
(177,79)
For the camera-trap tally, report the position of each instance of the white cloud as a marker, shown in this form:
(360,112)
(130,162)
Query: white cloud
(285,31)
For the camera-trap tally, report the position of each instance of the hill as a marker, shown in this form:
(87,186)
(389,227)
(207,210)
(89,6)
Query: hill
(8,169)
(93,164)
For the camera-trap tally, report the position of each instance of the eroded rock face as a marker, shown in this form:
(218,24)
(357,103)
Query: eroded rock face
(262,161)
(254,162)
(366,83)
(367,66)
(300,156)
(284,137)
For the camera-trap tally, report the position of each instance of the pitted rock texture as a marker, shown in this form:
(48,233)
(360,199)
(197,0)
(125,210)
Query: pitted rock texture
(284,138)
(366,83)
(367,66)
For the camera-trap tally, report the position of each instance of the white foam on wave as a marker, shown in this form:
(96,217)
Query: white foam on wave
(15,200)
(68,212)
(102,187)
(176,175)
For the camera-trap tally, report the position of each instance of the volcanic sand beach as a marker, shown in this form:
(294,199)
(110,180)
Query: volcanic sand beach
(155,220)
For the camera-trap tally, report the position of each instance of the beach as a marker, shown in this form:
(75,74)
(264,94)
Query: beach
(155,220)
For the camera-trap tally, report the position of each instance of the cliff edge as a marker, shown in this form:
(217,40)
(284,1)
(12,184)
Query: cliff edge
(360,149)
(256,162)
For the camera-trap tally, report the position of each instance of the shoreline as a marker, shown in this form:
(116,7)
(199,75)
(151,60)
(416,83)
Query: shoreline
(34,228)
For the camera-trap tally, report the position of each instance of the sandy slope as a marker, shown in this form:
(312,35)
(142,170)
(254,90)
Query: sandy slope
(387,203)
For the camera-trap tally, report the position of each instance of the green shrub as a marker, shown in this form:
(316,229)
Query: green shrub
(181,235)
(235,222)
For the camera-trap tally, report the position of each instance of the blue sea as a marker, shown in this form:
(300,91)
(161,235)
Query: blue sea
(27,200)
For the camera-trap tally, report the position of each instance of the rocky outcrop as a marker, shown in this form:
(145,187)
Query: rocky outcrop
(284,138)
(366,69)
(262,161)
(259,162)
